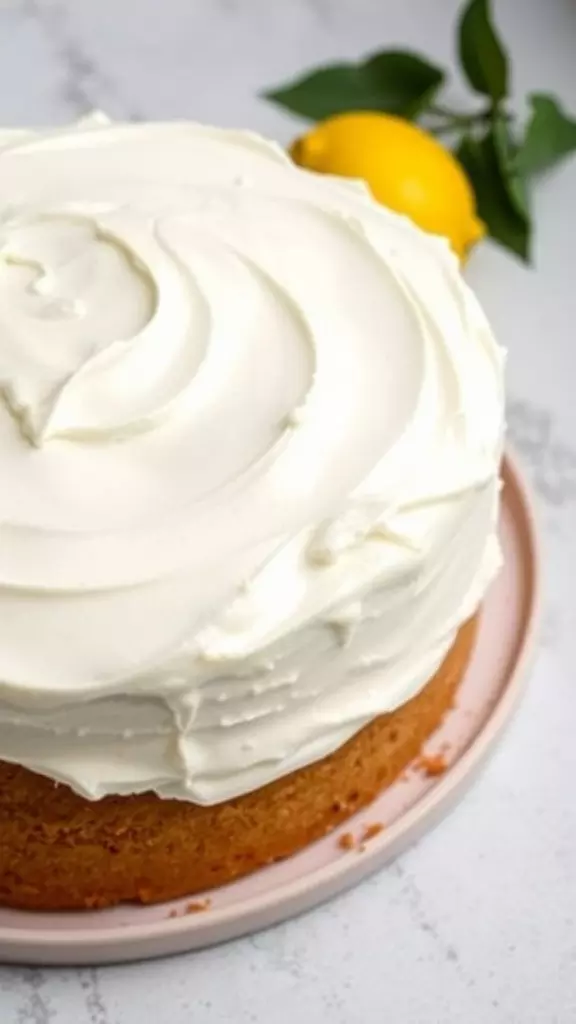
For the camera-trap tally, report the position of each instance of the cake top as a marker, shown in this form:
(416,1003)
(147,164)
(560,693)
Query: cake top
(233,394)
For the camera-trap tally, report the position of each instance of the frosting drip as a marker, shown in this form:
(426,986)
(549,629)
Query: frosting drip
(250,430)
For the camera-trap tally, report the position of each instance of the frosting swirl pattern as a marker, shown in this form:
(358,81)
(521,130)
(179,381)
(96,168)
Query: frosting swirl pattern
(250,430)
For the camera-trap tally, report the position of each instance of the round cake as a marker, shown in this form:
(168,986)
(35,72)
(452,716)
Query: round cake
(250,433)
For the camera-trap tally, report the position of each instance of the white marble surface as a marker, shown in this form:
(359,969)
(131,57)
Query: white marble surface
(478,923)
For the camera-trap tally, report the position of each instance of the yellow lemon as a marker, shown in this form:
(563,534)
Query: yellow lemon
(405,167)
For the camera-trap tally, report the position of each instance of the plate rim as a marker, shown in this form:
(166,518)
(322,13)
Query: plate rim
(324,880)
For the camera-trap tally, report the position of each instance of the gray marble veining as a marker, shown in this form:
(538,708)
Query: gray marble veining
(552,460)
(35,1006)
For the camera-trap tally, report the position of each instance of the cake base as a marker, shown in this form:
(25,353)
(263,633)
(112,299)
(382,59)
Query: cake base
(59,851)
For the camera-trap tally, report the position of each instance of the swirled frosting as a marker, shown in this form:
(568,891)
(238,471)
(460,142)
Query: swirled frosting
(250,430)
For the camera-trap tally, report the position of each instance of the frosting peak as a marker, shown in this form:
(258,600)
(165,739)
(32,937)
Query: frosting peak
(250,431)
(74,302)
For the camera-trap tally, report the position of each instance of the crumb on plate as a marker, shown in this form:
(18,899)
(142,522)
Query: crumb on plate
(198,906)
(432,764)
(371,831)
(346,841)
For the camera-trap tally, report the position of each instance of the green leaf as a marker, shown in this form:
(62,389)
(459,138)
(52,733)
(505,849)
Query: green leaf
(482,56)
(506,149)
(550,136)
(394,81)
(504,222)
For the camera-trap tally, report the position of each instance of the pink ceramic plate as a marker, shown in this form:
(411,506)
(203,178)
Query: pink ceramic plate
(486,699)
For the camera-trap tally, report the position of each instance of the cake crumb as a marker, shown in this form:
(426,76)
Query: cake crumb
(371,831)
(432,764)
(198,906)
(194,907)
(346,841)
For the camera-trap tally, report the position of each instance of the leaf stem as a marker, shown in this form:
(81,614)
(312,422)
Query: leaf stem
(452,120)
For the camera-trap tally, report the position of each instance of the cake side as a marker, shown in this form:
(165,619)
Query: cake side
(59,851)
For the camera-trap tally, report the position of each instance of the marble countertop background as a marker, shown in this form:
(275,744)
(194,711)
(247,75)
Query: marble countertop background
(478,922)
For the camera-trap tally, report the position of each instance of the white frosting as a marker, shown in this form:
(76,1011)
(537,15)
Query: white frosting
(250,429)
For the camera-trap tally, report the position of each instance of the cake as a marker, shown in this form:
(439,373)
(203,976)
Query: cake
(250,433)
